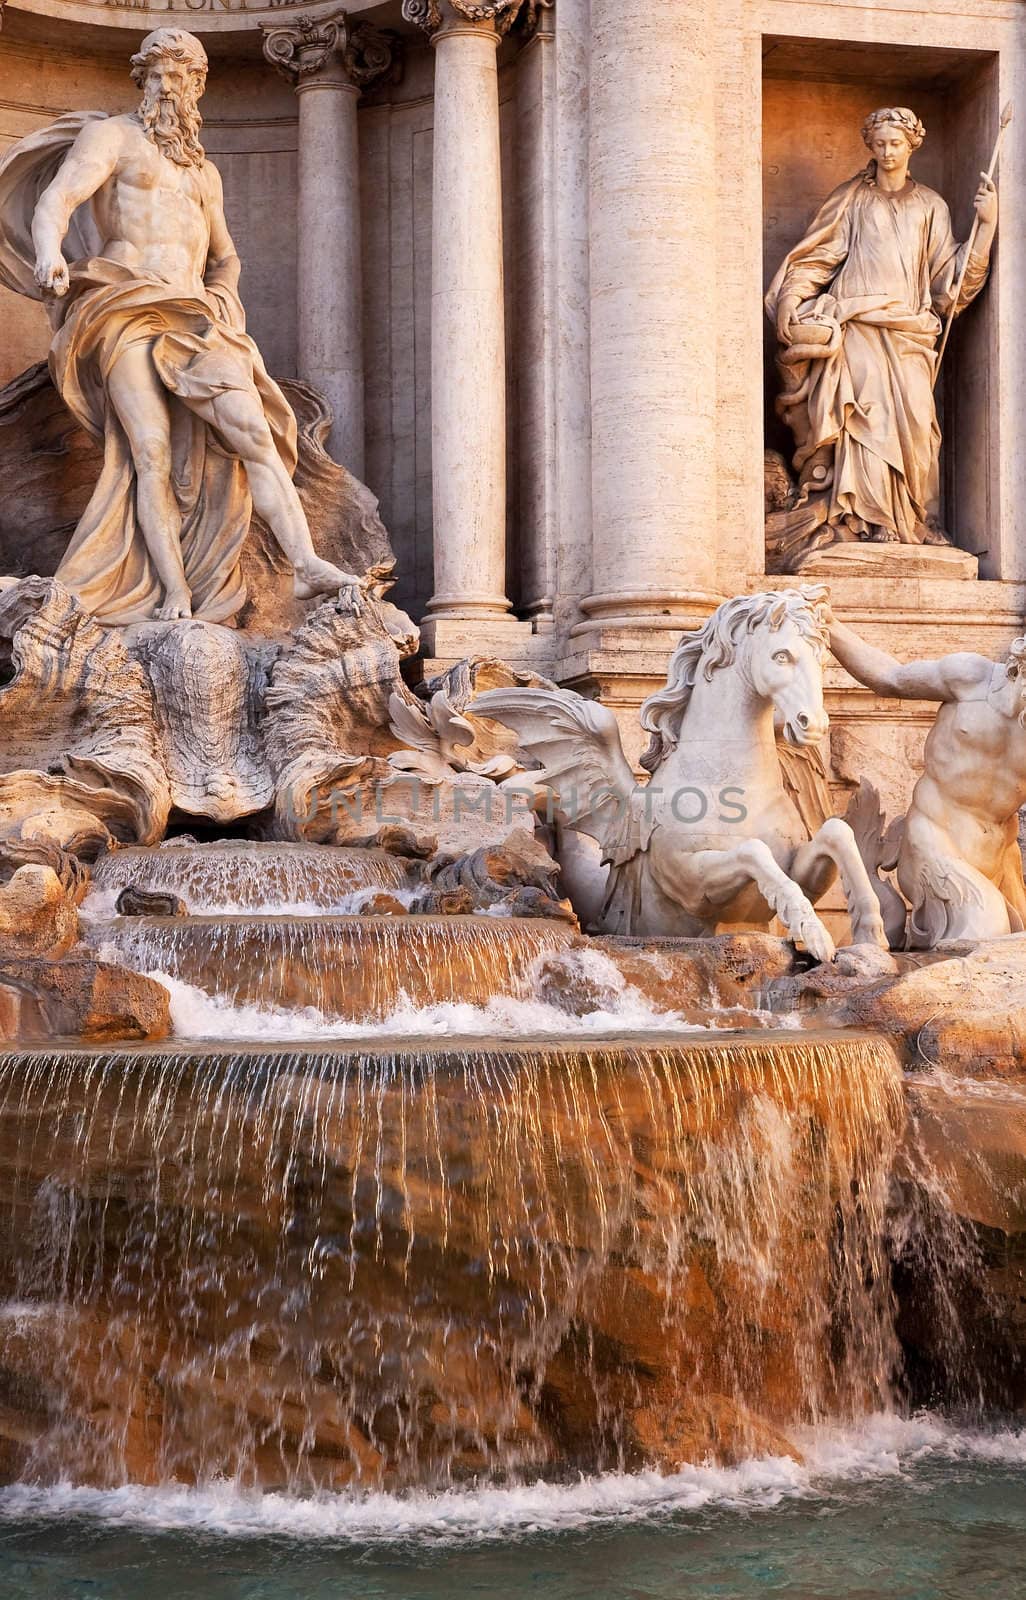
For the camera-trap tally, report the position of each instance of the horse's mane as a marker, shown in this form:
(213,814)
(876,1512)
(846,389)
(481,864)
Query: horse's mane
(715,645)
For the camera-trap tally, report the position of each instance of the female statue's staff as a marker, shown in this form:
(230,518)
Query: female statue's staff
(1006,117)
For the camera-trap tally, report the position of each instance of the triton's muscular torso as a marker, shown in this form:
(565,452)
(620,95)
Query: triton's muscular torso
(969,737)
(154,214)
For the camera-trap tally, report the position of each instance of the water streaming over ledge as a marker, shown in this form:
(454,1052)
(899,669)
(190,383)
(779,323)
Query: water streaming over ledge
(248,875)
(354,968)
(413,1267)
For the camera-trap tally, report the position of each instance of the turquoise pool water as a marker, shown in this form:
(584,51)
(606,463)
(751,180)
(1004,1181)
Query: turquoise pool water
(917,1510)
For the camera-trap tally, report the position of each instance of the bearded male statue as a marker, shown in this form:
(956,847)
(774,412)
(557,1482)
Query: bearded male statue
(858,306)
(117,223)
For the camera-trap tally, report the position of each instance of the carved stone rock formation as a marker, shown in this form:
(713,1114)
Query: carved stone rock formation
(207,684)
(326,723)
(79,998)
(79,757)
(966,1013)
(36,915)
(960,1269)
(135,902)
(444,736)
(517,878)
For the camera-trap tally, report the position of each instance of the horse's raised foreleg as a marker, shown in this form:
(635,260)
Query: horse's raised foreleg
(718,876)
(835,846)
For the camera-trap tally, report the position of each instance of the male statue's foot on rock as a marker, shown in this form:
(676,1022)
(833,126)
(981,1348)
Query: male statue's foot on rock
(321,577)
(177,605)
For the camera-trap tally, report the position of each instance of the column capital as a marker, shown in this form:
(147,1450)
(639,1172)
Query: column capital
(435,16)
(308,47)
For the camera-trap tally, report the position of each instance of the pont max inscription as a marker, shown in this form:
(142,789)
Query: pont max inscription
(197,5)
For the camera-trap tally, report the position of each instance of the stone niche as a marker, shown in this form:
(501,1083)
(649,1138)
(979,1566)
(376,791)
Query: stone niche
(816,94)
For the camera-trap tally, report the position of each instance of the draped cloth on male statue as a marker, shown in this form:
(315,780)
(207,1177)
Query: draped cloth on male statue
(200,349)
(879,273)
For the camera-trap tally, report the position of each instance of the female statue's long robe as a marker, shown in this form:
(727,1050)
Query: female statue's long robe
(880,270)
(199,347)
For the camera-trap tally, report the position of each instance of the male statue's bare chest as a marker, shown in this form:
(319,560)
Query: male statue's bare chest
(981,731)
(155,198)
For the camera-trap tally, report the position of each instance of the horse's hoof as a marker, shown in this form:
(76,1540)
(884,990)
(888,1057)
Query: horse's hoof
(818,942)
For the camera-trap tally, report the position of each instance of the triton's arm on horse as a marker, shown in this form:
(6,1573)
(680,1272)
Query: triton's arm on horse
(953,677)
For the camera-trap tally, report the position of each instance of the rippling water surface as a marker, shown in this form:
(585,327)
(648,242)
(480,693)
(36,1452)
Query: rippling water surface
(915,1510)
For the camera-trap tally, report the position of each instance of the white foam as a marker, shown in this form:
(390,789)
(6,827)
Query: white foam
(195,1014)
(995,1091)
(883,1447)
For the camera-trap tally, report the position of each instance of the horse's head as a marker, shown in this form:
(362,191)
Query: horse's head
(777,640)
(785,662)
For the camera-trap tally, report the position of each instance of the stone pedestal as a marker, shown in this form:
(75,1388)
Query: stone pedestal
(329,64)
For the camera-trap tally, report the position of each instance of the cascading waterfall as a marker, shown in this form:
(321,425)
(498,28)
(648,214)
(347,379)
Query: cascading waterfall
(243,875)
(336,1267)
(353,968)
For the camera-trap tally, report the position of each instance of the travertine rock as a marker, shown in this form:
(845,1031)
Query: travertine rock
(207,697)
(966,1014)
(960,1242)
(736,971)
(41,887)
(79,998)
(517,878)
(79,757)
(36,915)
(326,723)
(442,735)
(135,902)
(541,1259)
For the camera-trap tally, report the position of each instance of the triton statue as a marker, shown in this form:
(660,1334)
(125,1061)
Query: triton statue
(958,859)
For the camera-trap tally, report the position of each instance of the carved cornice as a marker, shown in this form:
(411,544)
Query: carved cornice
(428,14)
(301,48)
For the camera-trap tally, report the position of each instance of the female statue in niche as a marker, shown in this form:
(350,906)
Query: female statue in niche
(858,306)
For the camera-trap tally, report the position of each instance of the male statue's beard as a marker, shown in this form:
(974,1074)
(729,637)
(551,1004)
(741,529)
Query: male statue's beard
(174,127)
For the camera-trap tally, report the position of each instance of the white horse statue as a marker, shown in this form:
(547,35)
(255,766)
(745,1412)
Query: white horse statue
(713,840)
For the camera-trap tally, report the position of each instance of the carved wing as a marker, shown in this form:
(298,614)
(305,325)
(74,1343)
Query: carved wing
(575,746)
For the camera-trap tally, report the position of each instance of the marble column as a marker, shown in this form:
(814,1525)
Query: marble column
(330,63)
(468,355)
(652,203)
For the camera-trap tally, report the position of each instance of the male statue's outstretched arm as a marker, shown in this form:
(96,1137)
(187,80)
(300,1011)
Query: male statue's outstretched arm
(86,168)
(955,677)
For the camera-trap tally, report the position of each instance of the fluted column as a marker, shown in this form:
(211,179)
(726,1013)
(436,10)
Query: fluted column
(652,198)
(330,63)
(468,355)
